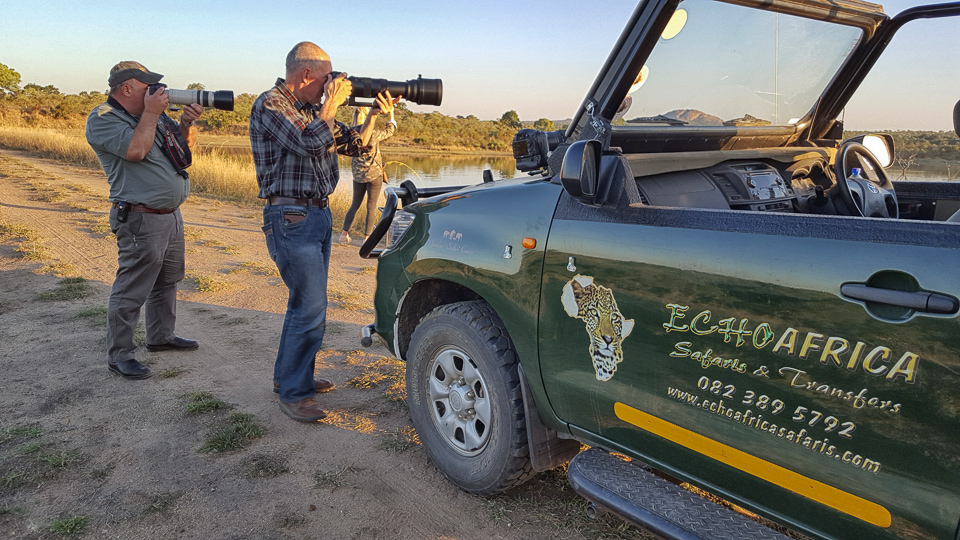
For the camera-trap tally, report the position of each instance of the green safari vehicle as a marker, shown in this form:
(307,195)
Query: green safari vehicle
(729,294)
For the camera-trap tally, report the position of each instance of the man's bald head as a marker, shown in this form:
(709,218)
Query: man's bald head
(307,55)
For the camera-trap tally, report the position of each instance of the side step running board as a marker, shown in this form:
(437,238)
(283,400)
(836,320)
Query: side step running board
(655,504)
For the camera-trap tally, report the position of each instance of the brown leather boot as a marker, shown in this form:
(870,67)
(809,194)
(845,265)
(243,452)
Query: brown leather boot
(305,410)
(321,385)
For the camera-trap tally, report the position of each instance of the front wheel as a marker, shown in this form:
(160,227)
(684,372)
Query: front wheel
(463,388)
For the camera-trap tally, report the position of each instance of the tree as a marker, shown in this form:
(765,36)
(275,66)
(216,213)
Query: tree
(196,86)
(510,119)
(543,125)
(49,89)
(9,80)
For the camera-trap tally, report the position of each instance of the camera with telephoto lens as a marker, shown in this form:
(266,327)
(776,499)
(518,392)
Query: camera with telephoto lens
(220,99)
(420,91)
(532,147)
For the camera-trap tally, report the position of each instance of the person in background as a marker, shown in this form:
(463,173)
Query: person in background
(367,168)
(295,142)
(133,140)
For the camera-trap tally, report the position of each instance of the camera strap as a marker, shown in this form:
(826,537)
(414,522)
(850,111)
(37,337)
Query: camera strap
(175,145)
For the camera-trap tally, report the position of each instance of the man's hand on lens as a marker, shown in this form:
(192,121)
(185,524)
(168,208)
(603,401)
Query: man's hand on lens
(337,90)
(385,103)
(157,102)
(191,112)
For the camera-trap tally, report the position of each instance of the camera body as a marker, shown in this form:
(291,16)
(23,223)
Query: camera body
(420,91)
(532,147)
(219,99)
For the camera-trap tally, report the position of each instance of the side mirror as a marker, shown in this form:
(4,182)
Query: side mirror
(956,118)
(580,170)
(881,146)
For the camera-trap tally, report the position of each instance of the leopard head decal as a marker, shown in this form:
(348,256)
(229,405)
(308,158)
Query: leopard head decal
(606,326)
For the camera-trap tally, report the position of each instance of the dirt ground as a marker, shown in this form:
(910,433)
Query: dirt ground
(84,452)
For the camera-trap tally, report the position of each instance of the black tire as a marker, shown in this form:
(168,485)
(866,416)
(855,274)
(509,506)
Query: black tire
(463,388)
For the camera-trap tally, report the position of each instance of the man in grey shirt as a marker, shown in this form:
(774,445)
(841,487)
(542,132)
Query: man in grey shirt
(128,135)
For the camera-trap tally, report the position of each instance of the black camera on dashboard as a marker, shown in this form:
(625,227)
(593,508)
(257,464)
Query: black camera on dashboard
(420,91)
(219,99)
(532,147)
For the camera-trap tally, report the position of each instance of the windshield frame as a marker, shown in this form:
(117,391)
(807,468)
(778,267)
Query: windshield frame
(852,74)
(729,65)
(651,17)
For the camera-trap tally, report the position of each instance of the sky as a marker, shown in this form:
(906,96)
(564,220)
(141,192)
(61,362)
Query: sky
(536,57)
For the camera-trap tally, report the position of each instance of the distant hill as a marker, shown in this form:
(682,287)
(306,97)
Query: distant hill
(747,120)
(694,117)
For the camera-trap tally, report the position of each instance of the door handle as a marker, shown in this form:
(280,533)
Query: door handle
(922,301)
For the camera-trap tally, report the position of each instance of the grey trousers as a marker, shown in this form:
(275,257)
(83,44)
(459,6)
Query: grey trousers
(150,264)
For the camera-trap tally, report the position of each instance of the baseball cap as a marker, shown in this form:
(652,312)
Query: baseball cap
(132,70)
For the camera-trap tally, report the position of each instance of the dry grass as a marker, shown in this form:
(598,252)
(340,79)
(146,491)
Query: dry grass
(222,175)
(208,284)
(63,145)
(59,269)
(257,268)
(400,440)
(215,172)
(383,372)
(333,479)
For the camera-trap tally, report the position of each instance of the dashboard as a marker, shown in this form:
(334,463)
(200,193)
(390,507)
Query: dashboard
(739,185)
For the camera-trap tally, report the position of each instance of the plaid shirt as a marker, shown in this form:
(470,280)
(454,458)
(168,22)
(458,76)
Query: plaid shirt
(294,152)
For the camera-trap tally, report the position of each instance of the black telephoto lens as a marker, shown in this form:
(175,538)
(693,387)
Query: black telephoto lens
(420,91)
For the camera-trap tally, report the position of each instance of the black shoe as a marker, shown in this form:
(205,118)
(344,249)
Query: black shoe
(177,344)
(130,369)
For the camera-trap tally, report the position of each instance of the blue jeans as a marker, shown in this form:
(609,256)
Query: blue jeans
(298,240)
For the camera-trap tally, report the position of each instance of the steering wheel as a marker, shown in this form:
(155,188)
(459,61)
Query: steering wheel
(871,196)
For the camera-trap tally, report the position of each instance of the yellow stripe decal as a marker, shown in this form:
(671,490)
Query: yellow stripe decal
(822,493)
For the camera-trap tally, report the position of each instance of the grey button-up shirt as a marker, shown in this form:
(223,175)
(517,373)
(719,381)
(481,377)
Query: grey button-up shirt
(152,181)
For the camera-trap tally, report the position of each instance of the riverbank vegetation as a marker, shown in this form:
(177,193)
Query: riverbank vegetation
(46,107)
(44,120)
(922,146)
(38,106)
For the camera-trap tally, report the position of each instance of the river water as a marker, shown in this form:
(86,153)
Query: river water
(934,172)
(448,170)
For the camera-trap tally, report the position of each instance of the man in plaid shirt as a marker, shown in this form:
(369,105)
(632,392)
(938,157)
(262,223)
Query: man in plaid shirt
(295,144)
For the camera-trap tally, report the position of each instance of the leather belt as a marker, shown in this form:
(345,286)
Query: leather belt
(146,210)
(317,202)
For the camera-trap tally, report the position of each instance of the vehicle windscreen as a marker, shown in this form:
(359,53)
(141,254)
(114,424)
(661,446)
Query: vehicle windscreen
(722,64)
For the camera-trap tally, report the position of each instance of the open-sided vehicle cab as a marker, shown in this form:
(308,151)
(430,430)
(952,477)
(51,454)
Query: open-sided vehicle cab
(794,70)
(720,288)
